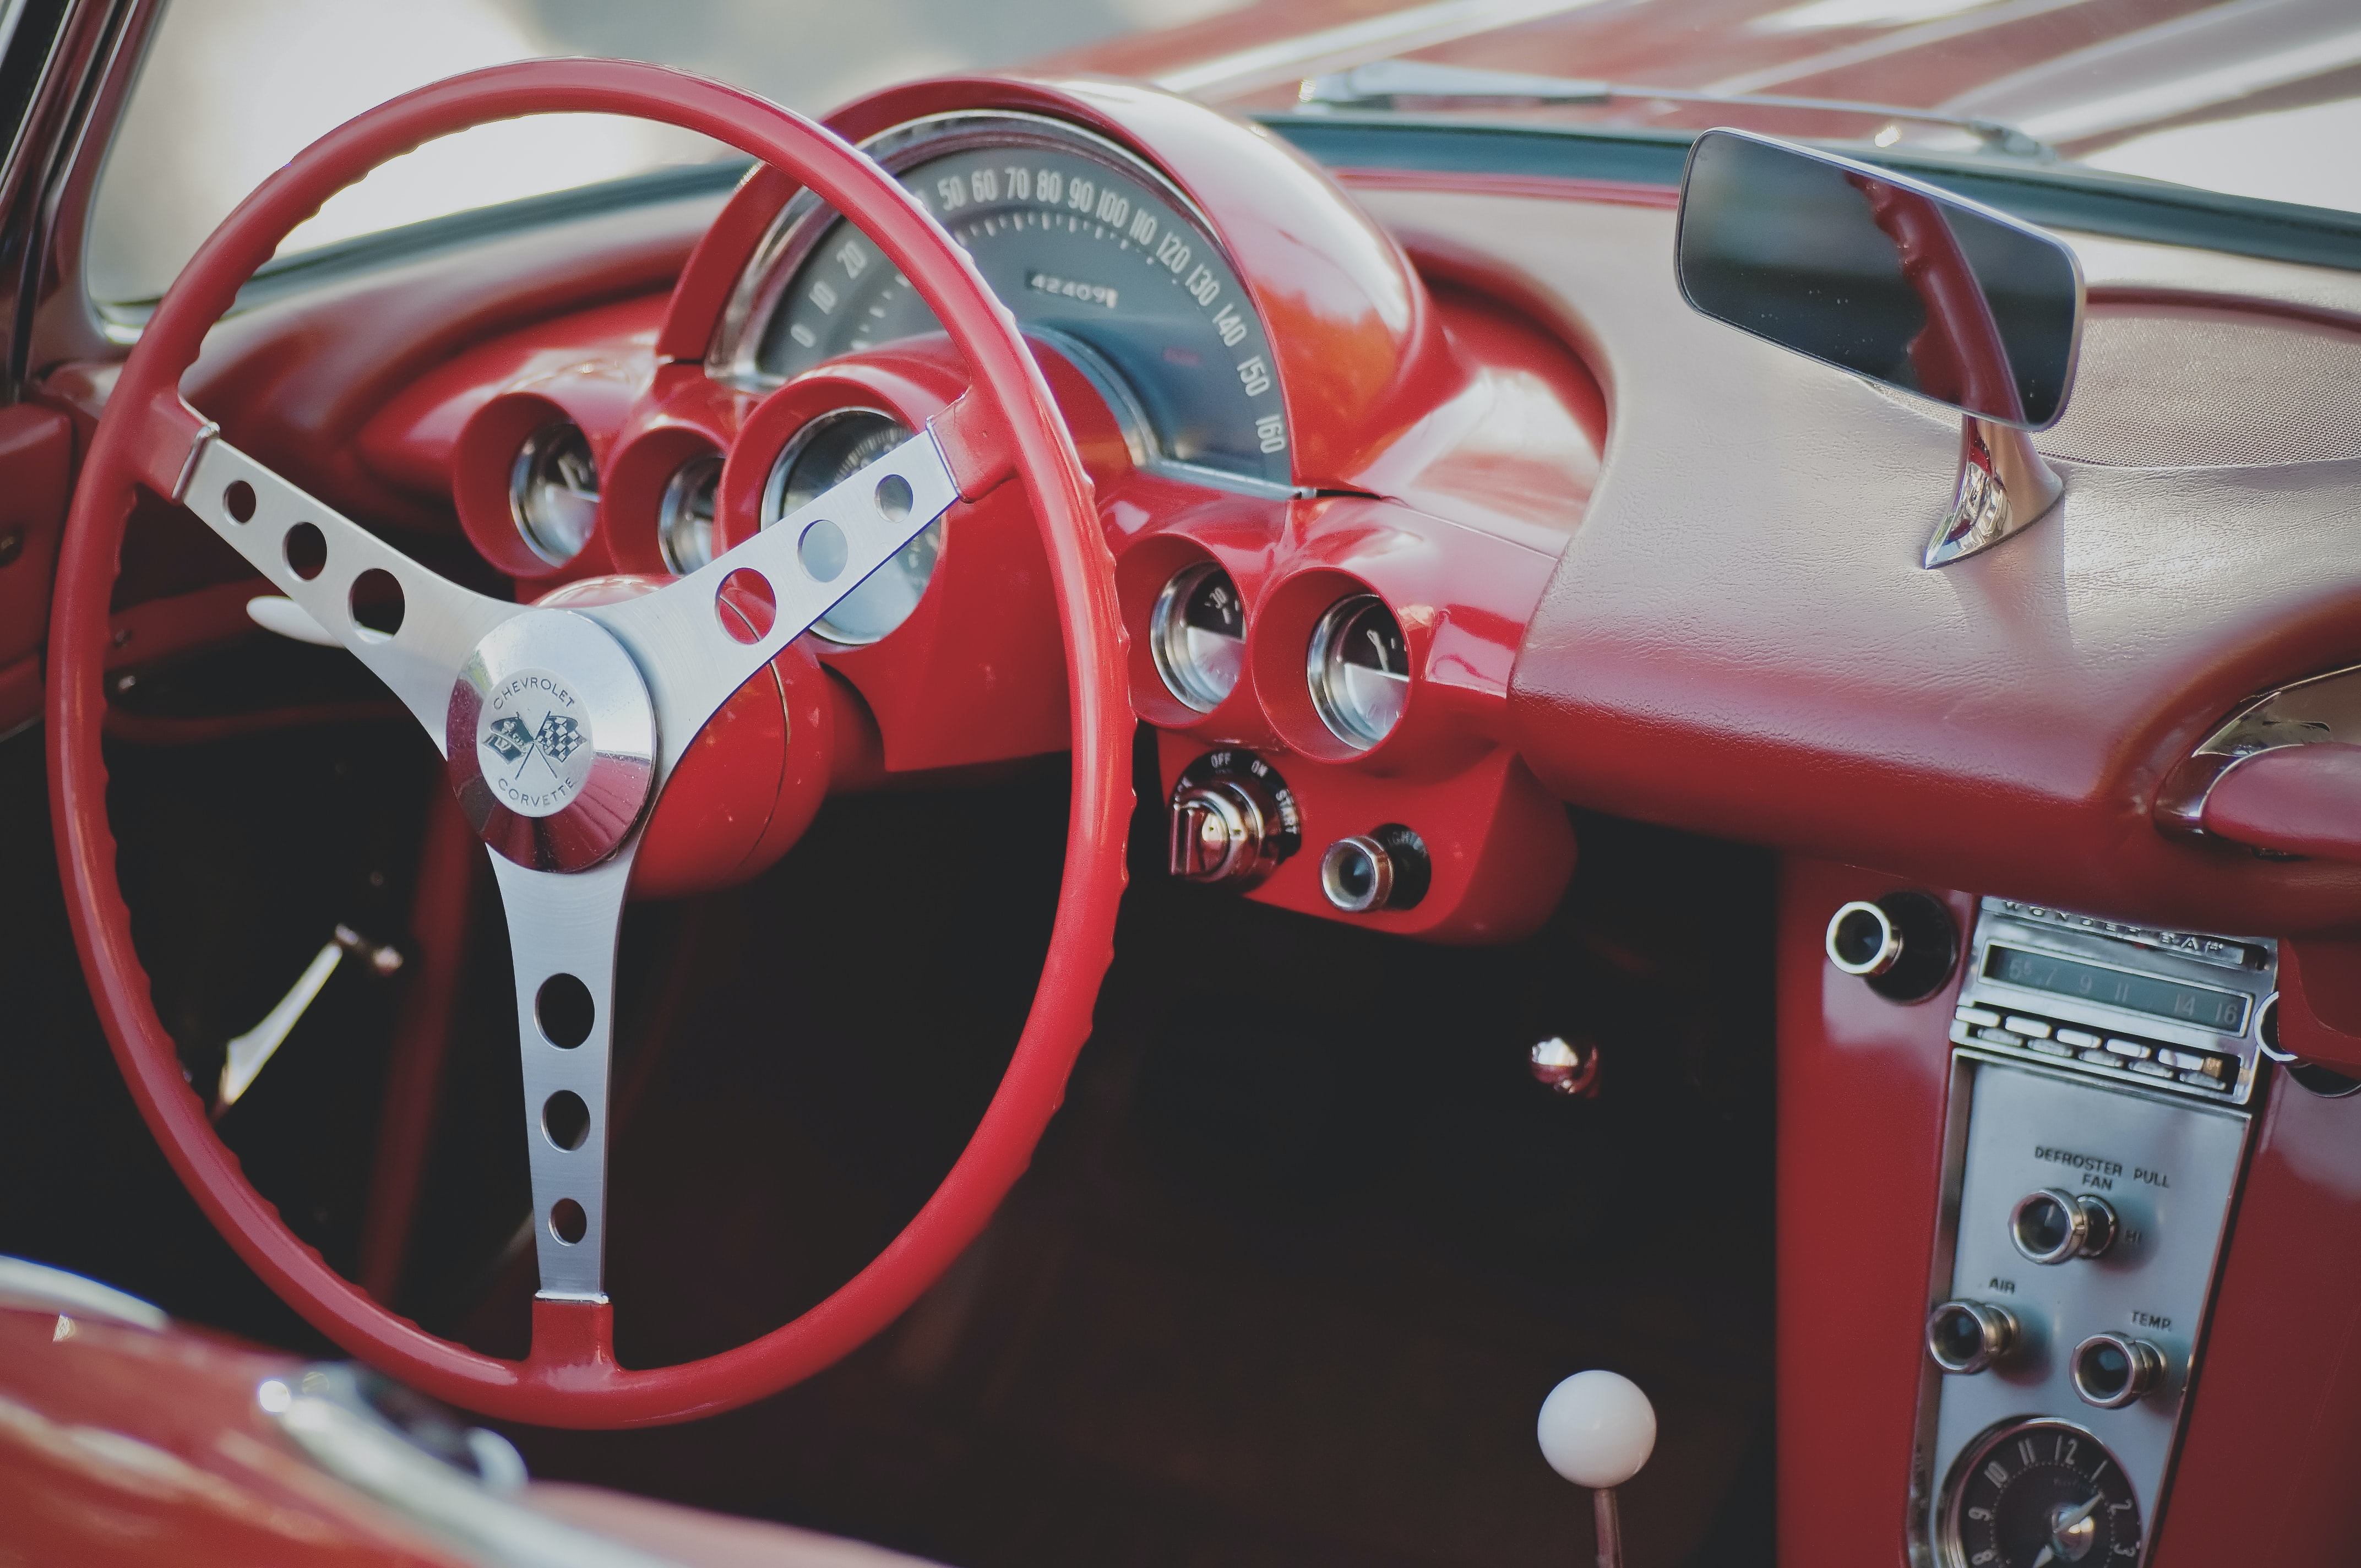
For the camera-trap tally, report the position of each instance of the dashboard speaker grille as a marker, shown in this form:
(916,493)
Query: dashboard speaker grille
(2163,386)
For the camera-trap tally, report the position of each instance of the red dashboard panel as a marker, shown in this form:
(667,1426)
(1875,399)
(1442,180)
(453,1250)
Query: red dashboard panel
(2275,1422)
(1444,446)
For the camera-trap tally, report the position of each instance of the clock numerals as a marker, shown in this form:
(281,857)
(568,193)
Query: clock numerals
(2036,1493)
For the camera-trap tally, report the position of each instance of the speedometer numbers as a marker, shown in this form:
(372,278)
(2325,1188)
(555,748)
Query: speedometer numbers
(1090,252)
(2039,1494)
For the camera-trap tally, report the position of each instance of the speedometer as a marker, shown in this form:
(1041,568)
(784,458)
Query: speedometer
(1091,249)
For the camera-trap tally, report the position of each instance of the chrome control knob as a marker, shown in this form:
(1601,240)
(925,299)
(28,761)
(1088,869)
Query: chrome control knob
(1863,940)
(1386,868)
(1216,834)
(1967,1336)
(1234,820)
(2114,1370)
(1903,946)
(2054,1225)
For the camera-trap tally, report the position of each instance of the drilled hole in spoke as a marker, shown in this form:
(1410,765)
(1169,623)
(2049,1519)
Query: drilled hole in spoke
(563,1009)
(823,551)
(378,603)
(239,501)
(307,550)
(745,604)
(567,1223)
(564,1120)
(893,498)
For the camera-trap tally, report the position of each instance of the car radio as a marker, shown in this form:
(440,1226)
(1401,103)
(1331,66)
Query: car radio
(2173,1009)
(2095,1130)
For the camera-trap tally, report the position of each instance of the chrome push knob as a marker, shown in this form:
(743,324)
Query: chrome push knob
(1597,1430)
(1386,868)
(1965,1337)
(1863,940)
(2114,1370)
(2053,1225)
(1903,946)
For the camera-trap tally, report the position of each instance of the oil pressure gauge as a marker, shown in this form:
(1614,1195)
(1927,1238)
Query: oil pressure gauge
(2038,1494)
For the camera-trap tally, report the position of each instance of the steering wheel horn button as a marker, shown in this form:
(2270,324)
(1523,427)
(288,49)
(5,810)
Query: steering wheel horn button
(552,742)
(537,731)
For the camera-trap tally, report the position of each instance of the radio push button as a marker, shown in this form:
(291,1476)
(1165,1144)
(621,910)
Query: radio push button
(2053,1225)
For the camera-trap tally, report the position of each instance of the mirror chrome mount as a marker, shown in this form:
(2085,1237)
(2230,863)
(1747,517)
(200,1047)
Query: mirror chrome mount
(2005,487)
(1904,284)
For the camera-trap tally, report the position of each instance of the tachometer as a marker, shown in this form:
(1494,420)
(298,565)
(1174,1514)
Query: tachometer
(1091,249)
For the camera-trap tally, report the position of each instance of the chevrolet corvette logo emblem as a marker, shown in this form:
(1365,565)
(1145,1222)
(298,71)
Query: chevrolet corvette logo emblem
(533,736)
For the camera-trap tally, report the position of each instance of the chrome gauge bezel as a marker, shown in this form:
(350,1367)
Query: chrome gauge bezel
(537,449)
(773,507)
(701,473)
(1167,631)
(738,339)
(1323,654)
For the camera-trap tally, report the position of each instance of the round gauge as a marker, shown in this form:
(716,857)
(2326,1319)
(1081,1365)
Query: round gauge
(553,491)
(1359,671)
(684,516)
(825,454)
(1091,250)
(2038,1494)
(1197,633)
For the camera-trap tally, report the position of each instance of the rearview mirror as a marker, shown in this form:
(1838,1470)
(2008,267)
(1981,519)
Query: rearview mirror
(1900,282)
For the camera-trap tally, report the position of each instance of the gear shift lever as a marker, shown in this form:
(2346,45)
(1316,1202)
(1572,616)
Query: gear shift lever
(1596,1429)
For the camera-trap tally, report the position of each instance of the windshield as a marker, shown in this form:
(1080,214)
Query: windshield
(2251,97)
(231,89)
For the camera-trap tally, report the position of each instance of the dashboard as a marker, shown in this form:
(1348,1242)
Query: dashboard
(1431,510)
(1298,468)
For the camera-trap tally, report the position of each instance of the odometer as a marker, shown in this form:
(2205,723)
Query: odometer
(1091,251)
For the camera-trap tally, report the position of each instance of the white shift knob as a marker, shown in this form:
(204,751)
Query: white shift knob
(1596,1429)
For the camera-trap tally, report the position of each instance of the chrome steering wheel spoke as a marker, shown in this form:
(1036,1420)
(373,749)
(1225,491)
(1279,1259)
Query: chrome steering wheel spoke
(559,737)
(563,928)
(806,563)
(337,572)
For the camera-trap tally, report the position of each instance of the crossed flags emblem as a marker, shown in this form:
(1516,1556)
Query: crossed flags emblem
(557,739)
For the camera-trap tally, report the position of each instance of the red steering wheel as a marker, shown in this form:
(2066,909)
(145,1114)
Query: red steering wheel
(598,702)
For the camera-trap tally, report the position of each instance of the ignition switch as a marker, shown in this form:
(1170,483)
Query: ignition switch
(1234,820)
